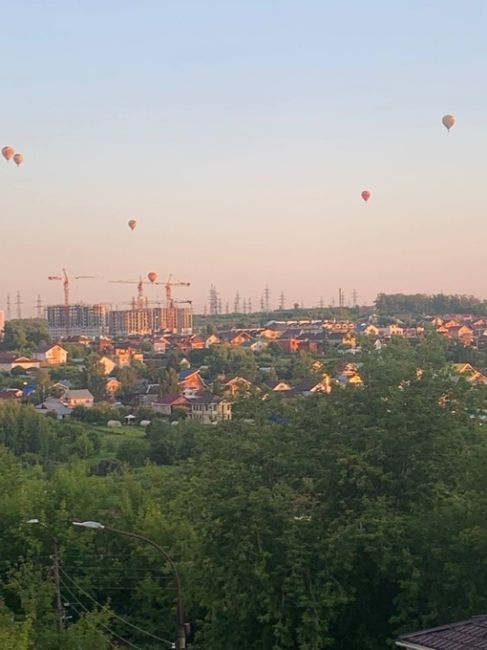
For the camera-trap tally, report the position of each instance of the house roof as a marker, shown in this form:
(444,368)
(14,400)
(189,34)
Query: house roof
(46,348)
(173,398)
(54,405)
(81,393)
(466,635)
(184,373)
(205,398)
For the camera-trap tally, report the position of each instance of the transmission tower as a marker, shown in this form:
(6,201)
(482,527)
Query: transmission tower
(227,308)
(262,303)
(354,298)
(321,303)
(341,298)
(9,308)
(236,304)
(249,306)
(18,306)
(282,301)
(244,307)
(213,300)
(39,307)
(267,298)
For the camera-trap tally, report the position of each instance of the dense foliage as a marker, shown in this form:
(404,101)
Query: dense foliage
(338,524)
(421,304)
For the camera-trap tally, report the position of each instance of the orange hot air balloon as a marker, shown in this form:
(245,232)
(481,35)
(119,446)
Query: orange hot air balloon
(132,224)
(152,276)
(448,121)
(18,159)
(366,195)
(8,153)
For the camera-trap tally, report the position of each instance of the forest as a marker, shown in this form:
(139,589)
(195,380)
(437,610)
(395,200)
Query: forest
(339,521)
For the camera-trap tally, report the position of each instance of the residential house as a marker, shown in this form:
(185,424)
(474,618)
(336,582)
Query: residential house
(112,386)
(313,385)
(235,337)
(190,379)
(78,397)
(465,635)
(371,330)
(108,366)
(209,409)
(9,361)
(125,356)
(469,373)
(288,344)
(54,406)
(168,404)
(237,386)
(277,385)
(51,355)
(11,395)
(212,339)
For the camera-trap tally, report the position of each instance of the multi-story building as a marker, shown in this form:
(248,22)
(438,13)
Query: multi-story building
(78,320)
(148,321)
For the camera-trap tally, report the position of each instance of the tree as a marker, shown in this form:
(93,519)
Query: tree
(169,383)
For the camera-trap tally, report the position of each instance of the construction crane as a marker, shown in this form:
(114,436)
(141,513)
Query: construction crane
(141,302)
(169,284)
(64,278)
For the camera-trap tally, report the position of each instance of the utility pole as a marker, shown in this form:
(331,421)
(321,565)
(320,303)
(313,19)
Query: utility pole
(18,306)
(60,613)
(57,583)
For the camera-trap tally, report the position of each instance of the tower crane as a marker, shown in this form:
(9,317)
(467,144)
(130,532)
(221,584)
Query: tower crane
(141,302)
(168,285)
(64,278)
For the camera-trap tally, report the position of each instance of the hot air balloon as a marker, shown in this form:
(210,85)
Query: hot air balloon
(448,121)
(132,224)
(7,153)
(18,159)
(152,277)
(366,195)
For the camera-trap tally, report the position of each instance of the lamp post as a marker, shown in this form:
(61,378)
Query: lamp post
(181,625)
(60,614)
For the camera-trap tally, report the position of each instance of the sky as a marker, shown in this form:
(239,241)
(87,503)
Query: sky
(240,135)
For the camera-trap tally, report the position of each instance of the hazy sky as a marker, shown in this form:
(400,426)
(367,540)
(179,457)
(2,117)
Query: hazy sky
(240,134)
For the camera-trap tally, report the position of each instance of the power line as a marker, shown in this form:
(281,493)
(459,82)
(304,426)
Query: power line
(135,627)
(108,629)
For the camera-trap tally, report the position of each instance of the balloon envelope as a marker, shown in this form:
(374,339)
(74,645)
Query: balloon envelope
(366,195)
(18,159)
(7,153)
(152,276)
(132,224)
(448,121)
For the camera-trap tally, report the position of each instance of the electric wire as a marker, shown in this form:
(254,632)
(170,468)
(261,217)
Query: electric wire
(108,629)
(120,618)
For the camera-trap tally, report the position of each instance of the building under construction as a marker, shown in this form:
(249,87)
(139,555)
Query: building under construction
(77,320)
(148,321)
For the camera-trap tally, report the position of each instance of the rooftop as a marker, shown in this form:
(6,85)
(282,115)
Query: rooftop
(466,635)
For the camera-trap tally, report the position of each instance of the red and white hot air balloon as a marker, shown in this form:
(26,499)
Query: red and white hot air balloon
(132,224)
(8,153)
(366,195)
(152,277)
(18,159)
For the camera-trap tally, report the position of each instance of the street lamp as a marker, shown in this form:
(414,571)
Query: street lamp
(181,625)
(55,572)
